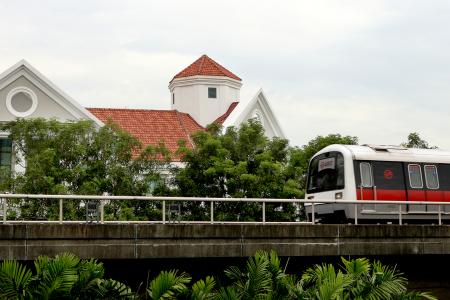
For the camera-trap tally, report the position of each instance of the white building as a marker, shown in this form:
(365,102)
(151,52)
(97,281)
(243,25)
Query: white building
(202,93)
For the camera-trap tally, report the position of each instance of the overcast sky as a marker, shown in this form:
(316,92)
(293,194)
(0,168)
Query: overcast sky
(374,69)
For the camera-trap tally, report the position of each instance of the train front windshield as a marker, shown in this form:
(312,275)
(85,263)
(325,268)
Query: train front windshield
(326,173)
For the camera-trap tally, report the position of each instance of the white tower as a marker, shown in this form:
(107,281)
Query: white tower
(205,90)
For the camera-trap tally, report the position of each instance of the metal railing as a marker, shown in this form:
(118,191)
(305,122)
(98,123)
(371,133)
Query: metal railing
(310,203)
(5,198)
(400,212)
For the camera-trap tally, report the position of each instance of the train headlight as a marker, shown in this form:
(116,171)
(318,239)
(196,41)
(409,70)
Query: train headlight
(338,195)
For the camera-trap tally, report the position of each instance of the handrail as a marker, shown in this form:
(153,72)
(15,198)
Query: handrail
(263,201)
(210,199)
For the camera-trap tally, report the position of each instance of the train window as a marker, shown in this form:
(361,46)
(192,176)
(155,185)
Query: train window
(431,176)
(366,174)
(415,176)
(326,172)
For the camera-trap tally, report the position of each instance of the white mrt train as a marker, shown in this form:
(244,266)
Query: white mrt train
(370,172)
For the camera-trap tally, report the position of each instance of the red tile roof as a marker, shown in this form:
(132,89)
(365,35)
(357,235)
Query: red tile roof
(152,126)
(207,67)
(223,117)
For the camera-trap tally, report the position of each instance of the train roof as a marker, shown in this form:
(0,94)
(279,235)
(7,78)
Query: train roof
(391,153)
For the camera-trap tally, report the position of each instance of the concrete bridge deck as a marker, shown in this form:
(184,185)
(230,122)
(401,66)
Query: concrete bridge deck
(142,241)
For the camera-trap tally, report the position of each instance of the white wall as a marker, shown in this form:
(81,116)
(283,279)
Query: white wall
(46,108)
(265,120)
(191,96)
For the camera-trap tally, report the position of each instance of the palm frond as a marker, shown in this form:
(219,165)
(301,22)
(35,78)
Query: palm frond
(280,287)
(112,289)
(234,273)
(259,279)
(14,280)
(384,282)
(357,267)
(295,288)
(228,293)
(55,277)
(168,284)
(90,277)
(323,282)
(203,289)
(334,287)
(415,296)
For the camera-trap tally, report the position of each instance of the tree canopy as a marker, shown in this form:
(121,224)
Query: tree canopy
(243,162)
(239,163)
(415,141)
(79,158)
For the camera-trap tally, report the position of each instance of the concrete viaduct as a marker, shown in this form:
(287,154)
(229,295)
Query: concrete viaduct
(26,241)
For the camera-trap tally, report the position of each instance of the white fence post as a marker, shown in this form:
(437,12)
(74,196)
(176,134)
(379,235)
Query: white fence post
(102,211)
(164,212)
(212,212)
(264,211)
(440,216)
(5,205)
(60,211)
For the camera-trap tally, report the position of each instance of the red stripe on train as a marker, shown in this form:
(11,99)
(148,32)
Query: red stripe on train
(402,195)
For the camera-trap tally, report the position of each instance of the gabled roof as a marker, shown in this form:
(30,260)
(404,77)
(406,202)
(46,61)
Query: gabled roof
(223,117)
(23,68)
(244,111)
(207,67)
(152,126)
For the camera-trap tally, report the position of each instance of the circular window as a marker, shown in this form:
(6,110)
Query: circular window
(21,102)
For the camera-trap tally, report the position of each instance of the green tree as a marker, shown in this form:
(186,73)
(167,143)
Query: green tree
(79,158)
(240,163)
(415,141)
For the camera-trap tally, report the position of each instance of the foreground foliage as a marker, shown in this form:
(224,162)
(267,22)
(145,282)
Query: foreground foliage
(264,277)
(63,277)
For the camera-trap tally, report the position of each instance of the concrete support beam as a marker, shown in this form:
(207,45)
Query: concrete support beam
(136,241)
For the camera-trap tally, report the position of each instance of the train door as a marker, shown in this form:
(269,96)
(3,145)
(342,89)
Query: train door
(364,180)
(444,183)
(380,180)
(364,183)
(389,184)
(415,187)
(432,192)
